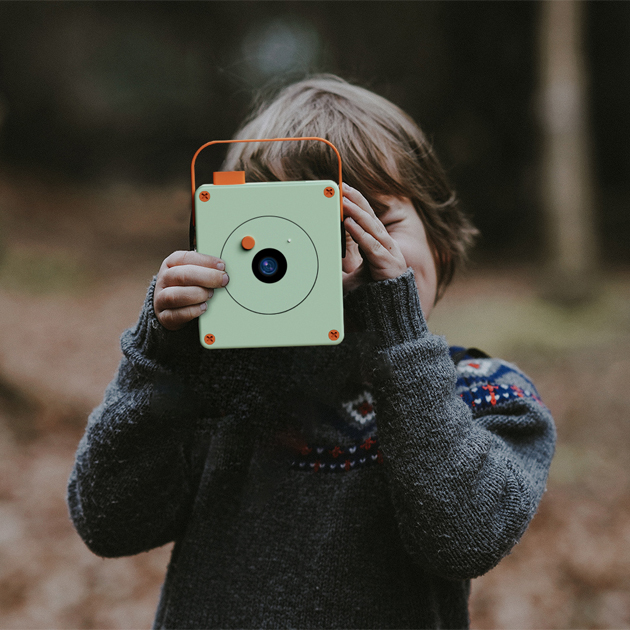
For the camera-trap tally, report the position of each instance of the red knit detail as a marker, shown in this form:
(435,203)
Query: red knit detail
(491,388)
(338,458)
(364,408)
(368,444)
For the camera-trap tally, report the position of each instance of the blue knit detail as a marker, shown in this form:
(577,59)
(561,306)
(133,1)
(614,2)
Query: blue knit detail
(487,383)
(492,395)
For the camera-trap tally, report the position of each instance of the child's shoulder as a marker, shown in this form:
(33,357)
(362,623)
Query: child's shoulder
(485,382)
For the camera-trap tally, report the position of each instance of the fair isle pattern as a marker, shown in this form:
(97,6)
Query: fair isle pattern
(338,459)
(479,383)
(490,395)
(473,371)
(355,419)
(361,408)
(476,367)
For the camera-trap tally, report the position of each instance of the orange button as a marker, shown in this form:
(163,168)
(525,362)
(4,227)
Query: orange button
(248,242)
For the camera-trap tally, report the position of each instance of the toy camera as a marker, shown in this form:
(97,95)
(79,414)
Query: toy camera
(282,247)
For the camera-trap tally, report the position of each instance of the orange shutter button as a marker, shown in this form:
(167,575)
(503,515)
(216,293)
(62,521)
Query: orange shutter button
(248,242)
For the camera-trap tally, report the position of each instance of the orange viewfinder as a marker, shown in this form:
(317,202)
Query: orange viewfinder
(225,178)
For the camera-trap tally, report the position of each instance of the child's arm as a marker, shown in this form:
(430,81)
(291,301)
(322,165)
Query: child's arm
(465,479)
(135,468)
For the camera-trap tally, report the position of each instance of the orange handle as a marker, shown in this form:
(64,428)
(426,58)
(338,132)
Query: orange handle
(201,148)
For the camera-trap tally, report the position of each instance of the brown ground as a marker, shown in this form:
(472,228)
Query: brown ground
(73,275)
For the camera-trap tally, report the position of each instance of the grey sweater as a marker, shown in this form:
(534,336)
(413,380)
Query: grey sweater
(354,486)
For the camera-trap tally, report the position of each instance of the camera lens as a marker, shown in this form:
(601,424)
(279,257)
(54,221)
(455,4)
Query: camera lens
(269,265)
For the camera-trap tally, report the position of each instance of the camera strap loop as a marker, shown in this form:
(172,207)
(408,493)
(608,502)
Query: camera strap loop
(201,148)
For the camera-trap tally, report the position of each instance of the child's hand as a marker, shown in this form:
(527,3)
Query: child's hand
(185,282)
(381,258)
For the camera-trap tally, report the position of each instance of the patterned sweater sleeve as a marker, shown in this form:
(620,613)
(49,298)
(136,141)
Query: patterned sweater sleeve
(466,447)
(131,484)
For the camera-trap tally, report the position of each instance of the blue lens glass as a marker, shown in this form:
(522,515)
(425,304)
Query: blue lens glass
(268,266)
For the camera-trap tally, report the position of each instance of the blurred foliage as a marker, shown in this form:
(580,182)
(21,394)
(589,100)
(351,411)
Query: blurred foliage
(509,321)
(110,91)
(37,273)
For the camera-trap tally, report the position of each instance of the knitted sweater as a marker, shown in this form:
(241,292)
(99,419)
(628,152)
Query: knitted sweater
(354,486)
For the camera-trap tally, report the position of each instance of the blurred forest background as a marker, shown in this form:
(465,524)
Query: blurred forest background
(102,105)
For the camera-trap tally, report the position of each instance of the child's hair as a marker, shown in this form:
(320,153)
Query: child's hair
(384,153)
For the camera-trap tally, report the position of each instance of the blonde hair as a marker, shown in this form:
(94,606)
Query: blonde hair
(384,153)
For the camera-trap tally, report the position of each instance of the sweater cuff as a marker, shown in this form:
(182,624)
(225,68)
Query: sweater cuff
(157,344)
(390,308)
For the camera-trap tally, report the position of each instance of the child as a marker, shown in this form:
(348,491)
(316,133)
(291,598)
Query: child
(354,486)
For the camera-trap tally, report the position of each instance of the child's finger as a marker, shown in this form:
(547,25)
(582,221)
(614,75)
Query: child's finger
(352,259)
(178,297)
(383,262)
(193,275)
(183,257)
(369,222)
(357,198)
(357,206)
(381,251)
(174,319)
(370,246)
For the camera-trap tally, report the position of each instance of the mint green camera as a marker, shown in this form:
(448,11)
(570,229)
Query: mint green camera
(281,243)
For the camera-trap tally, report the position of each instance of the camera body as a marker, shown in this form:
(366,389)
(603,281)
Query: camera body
(281,243)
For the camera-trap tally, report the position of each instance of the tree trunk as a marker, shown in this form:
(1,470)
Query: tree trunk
(567,182)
